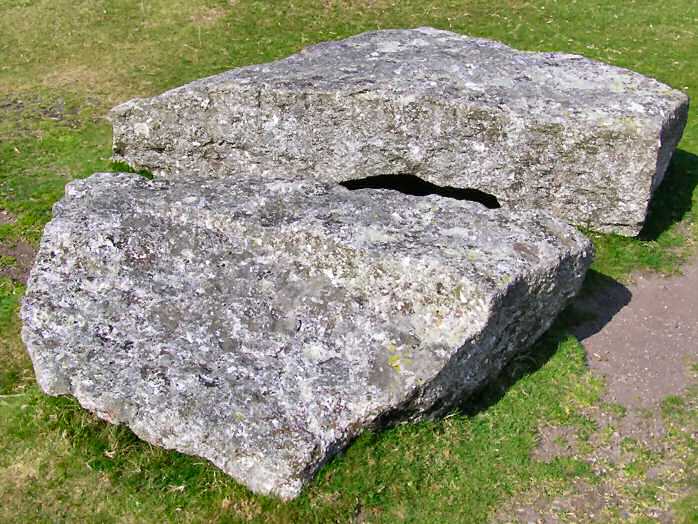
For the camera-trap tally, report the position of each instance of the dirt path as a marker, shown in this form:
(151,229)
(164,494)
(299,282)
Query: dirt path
(643,339)
(645,349)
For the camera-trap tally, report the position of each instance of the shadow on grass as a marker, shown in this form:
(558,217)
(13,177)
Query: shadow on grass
(673,199)
(599,300)
(520,366)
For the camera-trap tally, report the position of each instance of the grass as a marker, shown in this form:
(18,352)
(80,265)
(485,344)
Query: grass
(462,461)
(64,63)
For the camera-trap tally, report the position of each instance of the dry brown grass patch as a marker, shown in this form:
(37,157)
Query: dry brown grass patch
(359,4)
(208,16)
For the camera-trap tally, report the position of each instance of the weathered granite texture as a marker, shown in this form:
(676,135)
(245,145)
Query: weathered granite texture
(262,323)
(582,139)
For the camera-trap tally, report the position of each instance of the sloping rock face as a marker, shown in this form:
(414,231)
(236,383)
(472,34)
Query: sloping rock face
(587,141)
(262,323)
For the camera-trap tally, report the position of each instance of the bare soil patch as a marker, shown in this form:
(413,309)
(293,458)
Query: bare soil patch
(645,346)
(6,217)
(642,339)
(16,260)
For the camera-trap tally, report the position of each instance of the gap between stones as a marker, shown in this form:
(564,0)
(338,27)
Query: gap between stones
(413,185)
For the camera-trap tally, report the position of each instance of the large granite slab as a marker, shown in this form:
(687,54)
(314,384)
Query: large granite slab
(587,141)
(264,322)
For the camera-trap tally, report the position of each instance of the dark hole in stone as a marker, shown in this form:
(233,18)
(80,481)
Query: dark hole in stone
(413,185)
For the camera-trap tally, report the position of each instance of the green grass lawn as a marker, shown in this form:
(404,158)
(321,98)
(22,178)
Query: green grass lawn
(64,63)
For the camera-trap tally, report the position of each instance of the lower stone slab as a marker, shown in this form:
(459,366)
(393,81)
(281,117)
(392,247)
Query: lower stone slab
(263,323)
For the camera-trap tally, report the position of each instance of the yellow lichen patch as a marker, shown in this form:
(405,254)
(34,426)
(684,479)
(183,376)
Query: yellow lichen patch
(394,362)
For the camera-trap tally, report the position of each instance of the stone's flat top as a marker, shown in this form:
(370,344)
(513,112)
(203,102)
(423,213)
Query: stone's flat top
(449,67)
(372,222)
(263,323)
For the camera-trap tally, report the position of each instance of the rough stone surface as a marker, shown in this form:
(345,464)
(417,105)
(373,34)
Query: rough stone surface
(262,323)
(582,139)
